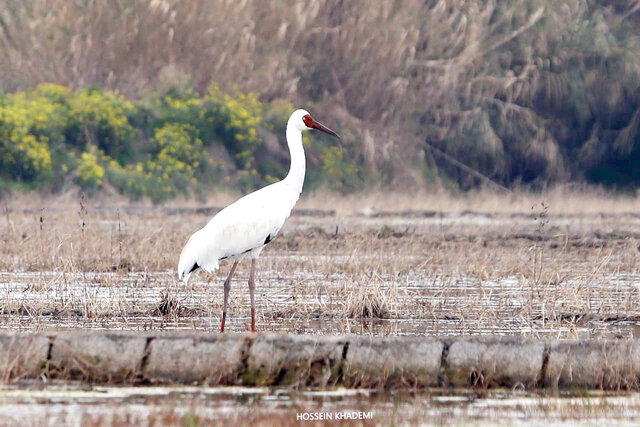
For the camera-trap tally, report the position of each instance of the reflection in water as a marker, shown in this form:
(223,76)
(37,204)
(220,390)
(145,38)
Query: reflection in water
(72,405)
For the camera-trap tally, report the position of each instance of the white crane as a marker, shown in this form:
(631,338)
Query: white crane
(247,225)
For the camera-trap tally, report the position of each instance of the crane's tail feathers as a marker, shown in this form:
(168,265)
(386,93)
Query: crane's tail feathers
(186,265)
(195,255)
(184,274)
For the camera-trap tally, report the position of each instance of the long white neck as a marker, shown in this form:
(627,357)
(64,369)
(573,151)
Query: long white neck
(295,178)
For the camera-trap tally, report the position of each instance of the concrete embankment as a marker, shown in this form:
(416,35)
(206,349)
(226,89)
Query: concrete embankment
(319,361)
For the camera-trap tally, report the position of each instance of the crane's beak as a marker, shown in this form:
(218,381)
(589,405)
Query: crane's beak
(323,128)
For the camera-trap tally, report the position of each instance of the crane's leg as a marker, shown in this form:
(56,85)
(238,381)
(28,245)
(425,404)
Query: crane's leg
(252,287)
(227,288)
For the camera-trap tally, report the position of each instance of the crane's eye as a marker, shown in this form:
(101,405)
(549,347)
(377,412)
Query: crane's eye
(308,121)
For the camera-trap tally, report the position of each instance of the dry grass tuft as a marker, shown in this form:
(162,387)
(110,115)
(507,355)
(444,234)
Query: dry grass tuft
(168,306)
(369,302)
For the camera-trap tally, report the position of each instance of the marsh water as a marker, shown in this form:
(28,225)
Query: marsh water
(300,302)
(76,404)
(408,273)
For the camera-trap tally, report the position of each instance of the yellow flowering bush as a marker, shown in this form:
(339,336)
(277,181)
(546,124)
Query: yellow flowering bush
(28,123)
(179,141)
(34,113)
(89,173)
(56,93)
(179,155)
(25,157)
(52,136)
(101,118)
(179,107)
(235,119)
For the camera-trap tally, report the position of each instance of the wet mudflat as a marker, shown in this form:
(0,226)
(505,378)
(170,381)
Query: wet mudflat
(75,404)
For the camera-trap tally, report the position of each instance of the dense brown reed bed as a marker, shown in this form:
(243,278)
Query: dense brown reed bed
(389,265)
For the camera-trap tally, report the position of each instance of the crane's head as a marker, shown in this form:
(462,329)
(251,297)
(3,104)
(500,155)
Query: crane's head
(302,120)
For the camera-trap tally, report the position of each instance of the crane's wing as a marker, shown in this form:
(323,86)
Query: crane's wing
(249,223)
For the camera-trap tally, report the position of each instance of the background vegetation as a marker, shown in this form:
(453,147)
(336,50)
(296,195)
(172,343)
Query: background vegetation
(161,98)
(167,143)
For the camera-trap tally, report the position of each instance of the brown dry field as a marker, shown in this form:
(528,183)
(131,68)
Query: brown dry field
(561,264)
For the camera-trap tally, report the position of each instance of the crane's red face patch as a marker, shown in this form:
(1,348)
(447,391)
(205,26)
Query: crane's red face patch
(308,120)
(312,124)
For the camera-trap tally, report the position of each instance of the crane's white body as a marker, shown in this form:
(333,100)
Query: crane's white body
(248,224)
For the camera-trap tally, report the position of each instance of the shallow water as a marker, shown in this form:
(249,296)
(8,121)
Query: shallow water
(71,404)
(317,303)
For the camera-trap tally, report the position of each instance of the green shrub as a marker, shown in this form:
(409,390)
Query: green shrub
(128,180)
(23,156)
(179,156)
(276,115)
(235,119)
(101,118)
(27,125)
(90,173)
(180,141)
(340,173)
(179,106)
(54,136)
(57,94)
